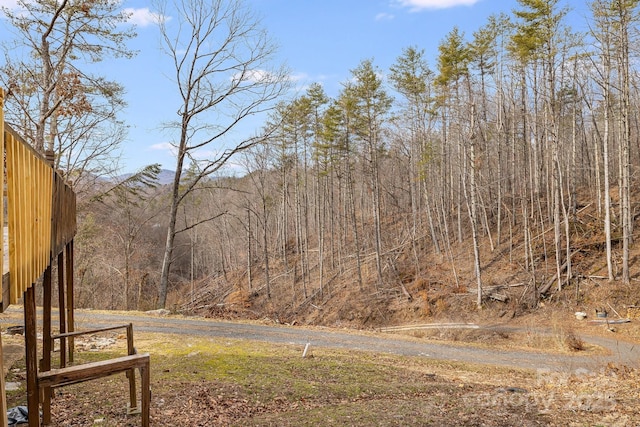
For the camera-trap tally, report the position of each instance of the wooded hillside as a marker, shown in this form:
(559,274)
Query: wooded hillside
(501,170)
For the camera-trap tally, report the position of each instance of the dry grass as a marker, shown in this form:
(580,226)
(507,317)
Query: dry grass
(209,382)
(559,341)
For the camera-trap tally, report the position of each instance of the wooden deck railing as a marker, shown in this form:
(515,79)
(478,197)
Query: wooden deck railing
(41,217)
(41,213)
(4,422)
(29,190)
(63,226)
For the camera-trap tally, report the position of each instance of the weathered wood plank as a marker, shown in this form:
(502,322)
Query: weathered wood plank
(90,331)
(61,310)
(70,307)
(31,350)
(3,262)
(91,371)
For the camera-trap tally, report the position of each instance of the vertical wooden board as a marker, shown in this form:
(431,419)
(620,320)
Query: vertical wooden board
(36,228)
(3,395)
(19,238)
(45,221)
(46,247)
(71,214)
(41,191)
(10,216)
(55,217)
(31,225)
(22,243)
(22,239)
(12,205)
(2,194)
(34,225)
(74,218)
(15,236)
(22,216)
(70,307)
(38,225)
(36,199)
(25,214)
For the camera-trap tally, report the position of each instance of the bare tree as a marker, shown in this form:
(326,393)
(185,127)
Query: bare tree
(221,58)
(257,162)
(412,78)
(372,106)
(626,15)
(602,33)
(58,105)
(127,208)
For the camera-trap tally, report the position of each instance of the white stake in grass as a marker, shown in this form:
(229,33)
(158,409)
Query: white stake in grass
(306,348)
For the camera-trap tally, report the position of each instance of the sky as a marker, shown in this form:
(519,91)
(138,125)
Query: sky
(320,41)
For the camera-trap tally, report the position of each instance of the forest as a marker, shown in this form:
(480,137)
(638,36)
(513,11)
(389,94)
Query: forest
(500,172)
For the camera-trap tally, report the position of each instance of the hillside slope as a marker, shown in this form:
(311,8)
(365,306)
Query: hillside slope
(444,290)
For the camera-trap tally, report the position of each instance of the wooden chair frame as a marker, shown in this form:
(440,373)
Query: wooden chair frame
(73,374)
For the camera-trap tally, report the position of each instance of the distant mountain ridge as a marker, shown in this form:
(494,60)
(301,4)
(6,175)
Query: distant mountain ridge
(165,177)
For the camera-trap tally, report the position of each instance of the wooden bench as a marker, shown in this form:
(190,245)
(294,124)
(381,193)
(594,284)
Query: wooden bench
(94,370)
(67,375)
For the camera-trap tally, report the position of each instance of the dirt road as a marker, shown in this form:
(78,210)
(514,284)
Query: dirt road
(619,351)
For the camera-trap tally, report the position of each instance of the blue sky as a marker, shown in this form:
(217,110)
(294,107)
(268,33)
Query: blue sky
(319,40)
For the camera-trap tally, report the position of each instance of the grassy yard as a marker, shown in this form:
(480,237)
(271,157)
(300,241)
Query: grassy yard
(208,382)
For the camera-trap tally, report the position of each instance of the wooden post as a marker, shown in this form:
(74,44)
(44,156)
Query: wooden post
(131,374)
(31,354)
(4,422)
(61,310)
(145,376)
(47,342)
(70,320)
(3,395)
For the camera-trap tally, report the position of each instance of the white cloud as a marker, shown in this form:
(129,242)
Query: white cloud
(298,77)
(255,76)
(203,155)
(418,5)
(166,147)
(199,155)
(143,17)
(384,17)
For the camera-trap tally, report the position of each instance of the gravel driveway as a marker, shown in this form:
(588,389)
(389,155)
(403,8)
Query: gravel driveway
(621,352)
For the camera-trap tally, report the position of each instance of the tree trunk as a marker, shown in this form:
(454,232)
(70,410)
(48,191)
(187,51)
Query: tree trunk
(249,252)
(265,247)
(171,233)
